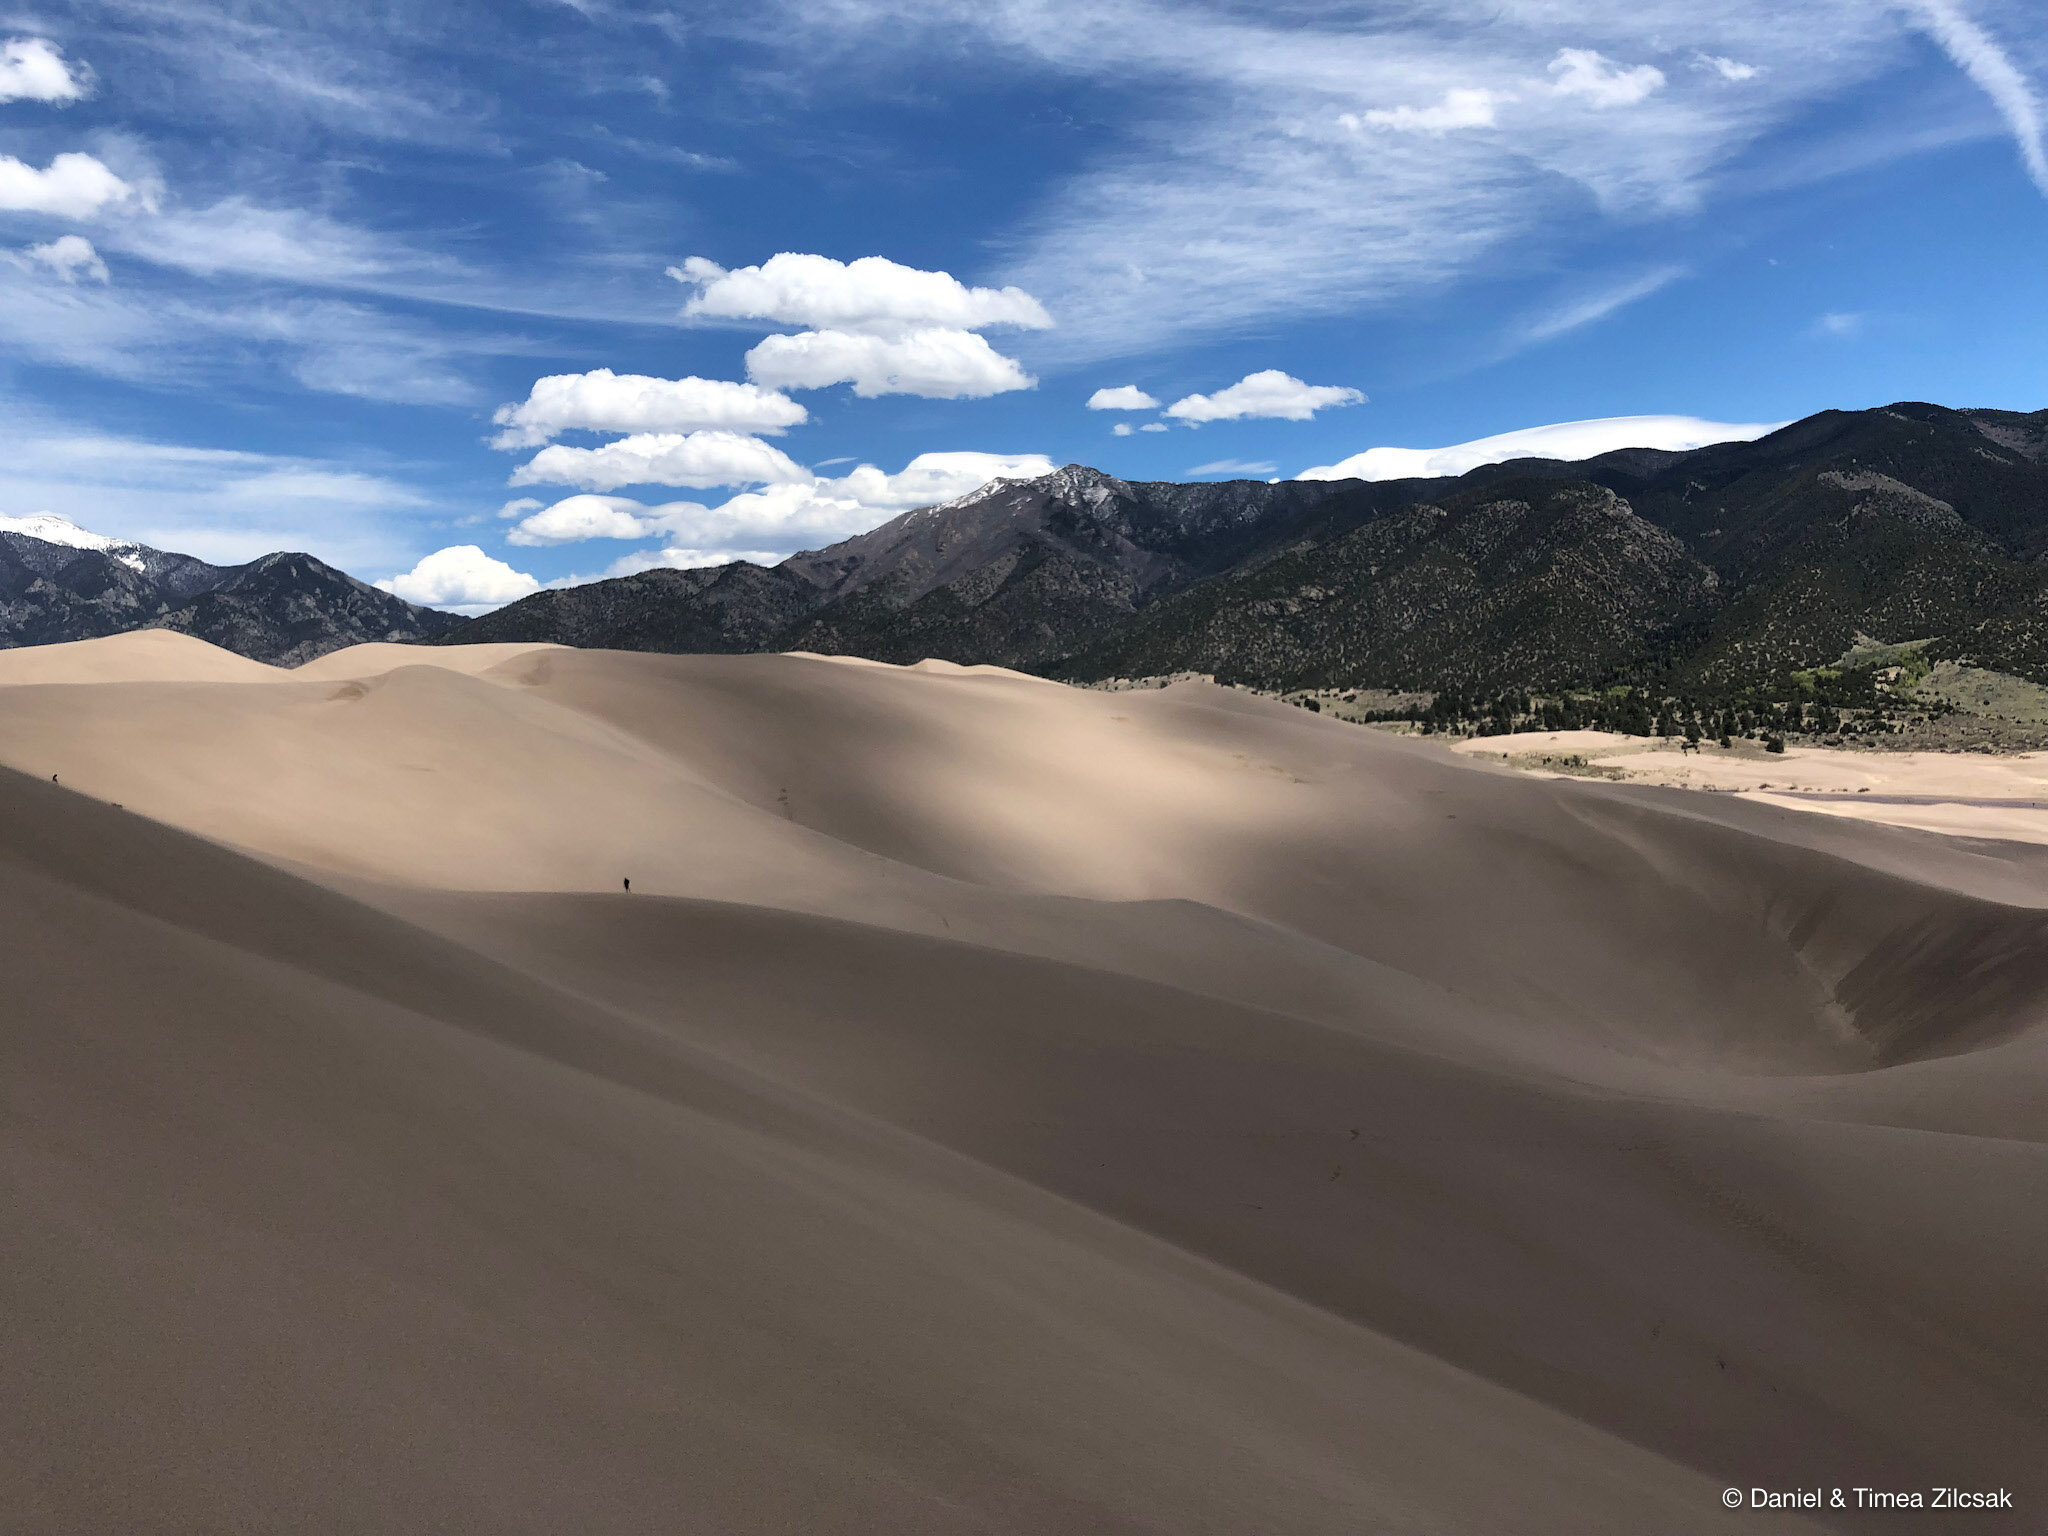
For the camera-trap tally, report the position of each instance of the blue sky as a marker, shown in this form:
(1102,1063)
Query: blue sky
(285,275)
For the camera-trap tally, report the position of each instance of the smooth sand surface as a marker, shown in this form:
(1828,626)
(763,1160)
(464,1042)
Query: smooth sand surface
(378,657)
(144,656)
(997,1106)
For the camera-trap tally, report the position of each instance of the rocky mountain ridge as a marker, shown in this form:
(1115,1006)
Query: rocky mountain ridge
(1721,570)
(59,582)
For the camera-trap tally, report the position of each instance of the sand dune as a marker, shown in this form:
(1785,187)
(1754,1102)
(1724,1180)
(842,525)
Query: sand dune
(379,657)
(997,1106)
(144,656)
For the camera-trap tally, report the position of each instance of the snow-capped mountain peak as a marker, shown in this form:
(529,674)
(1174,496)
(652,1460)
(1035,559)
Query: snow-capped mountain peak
(52,529)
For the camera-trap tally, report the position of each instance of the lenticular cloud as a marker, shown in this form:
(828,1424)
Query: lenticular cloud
(1560,440)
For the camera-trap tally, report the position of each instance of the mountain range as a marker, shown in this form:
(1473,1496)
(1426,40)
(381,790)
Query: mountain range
(1723,574)
(59,582)
(1720,571)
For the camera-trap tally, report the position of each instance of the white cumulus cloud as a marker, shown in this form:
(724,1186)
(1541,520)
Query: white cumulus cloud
(1560,440)
(1267,393)
(777,520)
(1600,81)
(937,364)
(462,577)
(792,517)
(70,257)
(871,295)
(603,401)
(662,458)
(1727,69)
(1122,397)
(33,69)
(878,325)
(931,478)
(1459,108)
(575,519)
(72,186)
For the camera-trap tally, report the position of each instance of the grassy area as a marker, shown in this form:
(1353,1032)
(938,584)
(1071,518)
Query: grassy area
(1361,706)
(1986,695)
(1909,656)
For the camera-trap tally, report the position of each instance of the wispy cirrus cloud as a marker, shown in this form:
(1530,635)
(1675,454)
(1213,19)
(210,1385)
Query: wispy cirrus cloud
(238,236)
(1840,325)
(1323,160)
(1980,57)
(191,340)
(1326,161)
(371,73)
(222,504)
(1594,305)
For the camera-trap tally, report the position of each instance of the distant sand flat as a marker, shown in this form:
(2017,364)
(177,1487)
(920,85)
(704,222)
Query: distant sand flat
(2002,796)
(994,1108)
